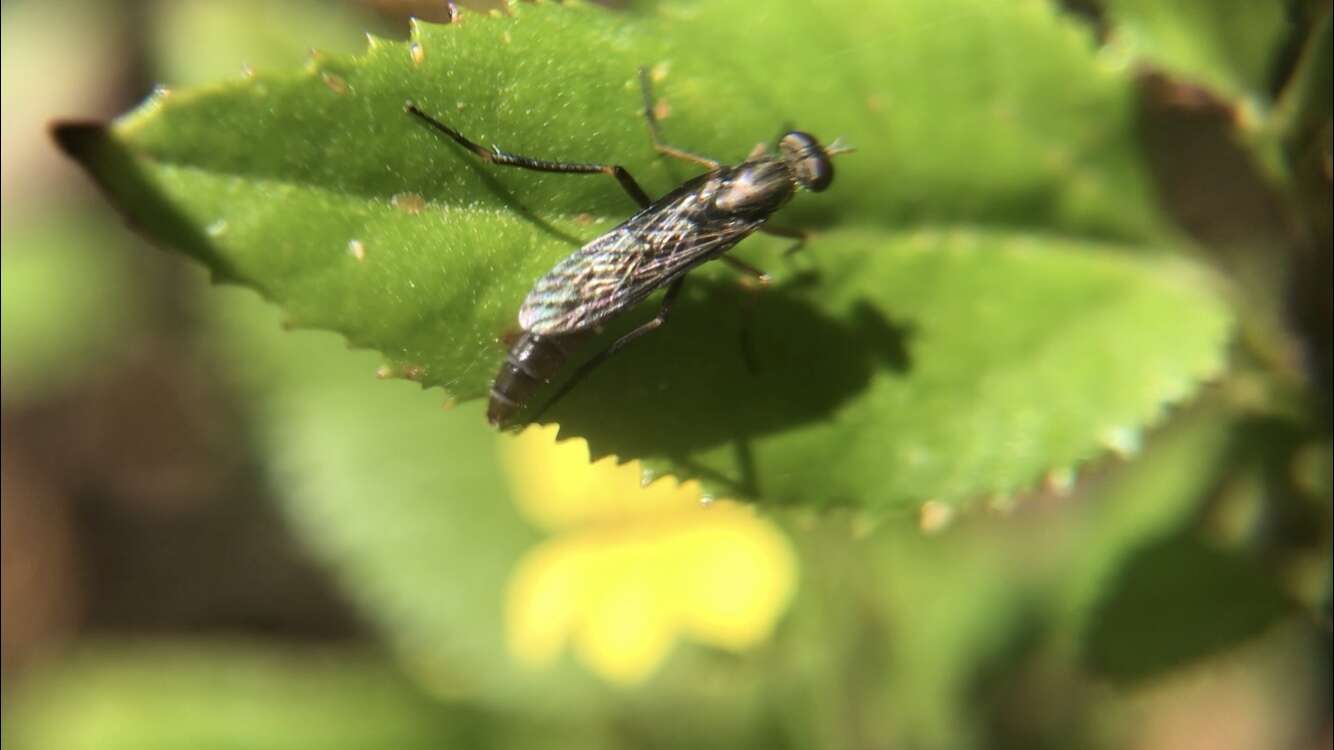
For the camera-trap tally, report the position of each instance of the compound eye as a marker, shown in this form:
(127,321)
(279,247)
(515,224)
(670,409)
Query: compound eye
(807,160)
(815,172)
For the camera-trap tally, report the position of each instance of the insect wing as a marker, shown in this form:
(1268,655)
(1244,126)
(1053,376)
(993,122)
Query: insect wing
(624,266)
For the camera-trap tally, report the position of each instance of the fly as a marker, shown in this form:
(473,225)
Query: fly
(697,222)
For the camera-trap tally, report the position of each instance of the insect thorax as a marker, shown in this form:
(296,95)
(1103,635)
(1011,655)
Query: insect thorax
(754,187)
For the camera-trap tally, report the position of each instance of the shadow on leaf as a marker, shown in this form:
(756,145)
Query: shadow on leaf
(731,365)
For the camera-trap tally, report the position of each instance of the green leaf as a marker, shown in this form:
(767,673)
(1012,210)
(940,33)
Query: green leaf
(1228,46)
(220,695)
(1305,104)
(1146,591)
(992,359)
(1151,499)
(975,307)
(65,304)
(909,621)
(1176,600)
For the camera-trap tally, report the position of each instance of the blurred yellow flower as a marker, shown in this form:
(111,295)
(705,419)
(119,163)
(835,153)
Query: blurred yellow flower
(629,569)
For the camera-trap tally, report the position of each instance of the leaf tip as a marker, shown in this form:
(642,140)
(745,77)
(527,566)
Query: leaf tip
(78,139)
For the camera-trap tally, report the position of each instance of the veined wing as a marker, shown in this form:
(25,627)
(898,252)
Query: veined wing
(624,266)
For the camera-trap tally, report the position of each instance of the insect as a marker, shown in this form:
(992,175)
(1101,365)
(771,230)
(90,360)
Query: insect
(699,221)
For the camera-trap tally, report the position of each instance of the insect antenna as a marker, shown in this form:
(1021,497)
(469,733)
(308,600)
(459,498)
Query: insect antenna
(839,147)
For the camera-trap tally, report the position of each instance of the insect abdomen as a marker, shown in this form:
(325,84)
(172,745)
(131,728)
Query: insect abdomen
(530,364)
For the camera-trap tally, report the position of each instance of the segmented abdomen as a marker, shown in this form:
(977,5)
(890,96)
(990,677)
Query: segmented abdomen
(529,364)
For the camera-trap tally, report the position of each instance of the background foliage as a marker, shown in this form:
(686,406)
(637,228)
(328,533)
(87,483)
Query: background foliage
(1042,410)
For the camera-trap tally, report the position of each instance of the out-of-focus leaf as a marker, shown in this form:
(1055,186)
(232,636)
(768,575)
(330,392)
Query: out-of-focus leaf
(222,696)
(1304,121)
(1228,46)
(1154,498)
(1176,600)
(1306,103)
(1145,592)
(65,304)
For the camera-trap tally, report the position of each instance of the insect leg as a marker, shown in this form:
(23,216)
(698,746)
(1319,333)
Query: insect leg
(501,158)
(748,269)
(791,233)
(748,311)
(656,135)
(668,299)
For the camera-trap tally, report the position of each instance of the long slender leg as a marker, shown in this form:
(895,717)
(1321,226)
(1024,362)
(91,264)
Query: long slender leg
(748,311)
(668,299)
(501,158)
(654,133)
(791,233)
(748,269)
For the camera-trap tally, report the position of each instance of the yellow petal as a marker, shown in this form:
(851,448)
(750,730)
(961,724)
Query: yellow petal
(548,486)
(626,632)
(557,487)
(634,567)
(739,574)
(543,601)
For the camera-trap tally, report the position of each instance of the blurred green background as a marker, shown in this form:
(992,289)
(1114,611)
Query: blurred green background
(220,534)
